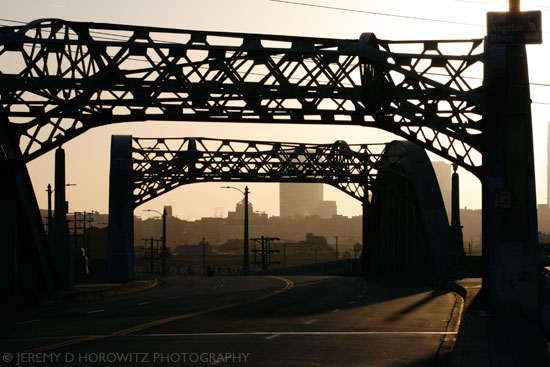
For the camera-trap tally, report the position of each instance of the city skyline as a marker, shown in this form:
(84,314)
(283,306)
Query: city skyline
(88,155)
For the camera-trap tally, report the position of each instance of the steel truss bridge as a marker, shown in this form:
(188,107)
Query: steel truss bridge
(145,168)
(161,165)
(59,79)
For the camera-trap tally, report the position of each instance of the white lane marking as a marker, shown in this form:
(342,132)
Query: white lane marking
(244,333)
(351,302)
(310,322)
(95,311)
(143,303)
(336,310)
(248,333)
(272,336)
(27,322)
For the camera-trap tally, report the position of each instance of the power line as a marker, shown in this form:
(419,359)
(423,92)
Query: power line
(101,35)
(376,13)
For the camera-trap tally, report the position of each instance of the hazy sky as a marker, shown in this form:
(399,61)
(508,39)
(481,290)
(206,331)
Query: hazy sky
(87,156)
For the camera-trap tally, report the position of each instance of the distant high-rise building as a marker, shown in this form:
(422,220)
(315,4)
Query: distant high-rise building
(326,209)
(443,173)
(299,199)
(548,167)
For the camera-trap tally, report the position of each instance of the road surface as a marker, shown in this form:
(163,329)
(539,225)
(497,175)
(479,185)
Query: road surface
(241,321)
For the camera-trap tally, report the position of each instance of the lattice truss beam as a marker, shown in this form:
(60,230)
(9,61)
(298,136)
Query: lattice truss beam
(59,79)
(161,165)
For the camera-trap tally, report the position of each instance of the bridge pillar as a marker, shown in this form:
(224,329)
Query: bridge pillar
(121,211)
(510,237)
(25,266)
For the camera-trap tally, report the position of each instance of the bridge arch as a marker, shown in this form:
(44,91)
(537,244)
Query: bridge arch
(142,169)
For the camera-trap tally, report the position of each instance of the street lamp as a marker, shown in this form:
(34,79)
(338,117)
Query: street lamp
(245,247)
(163,237)
(49,190)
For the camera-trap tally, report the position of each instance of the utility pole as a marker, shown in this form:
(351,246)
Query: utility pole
(245,249)
(246,262)
(203,255)
(152,255)
(50,216)
(336,252)
(164,254)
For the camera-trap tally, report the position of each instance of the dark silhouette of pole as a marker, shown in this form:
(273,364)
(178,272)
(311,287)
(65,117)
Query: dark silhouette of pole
(152,255)
(245,248)
(204,256)
(513,5)
(50,215)
(164,254)
(336,252)
(246,263)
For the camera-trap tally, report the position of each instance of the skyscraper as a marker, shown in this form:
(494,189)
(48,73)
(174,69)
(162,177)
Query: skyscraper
(299,199)
(443,173)
(548,167)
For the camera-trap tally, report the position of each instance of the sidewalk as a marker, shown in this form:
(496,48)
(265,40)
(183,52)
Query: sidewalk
(81,291)
(487,340)
(99,290)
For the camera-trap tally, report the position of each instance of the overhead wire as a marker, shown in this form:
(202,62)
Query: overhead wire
(122,38)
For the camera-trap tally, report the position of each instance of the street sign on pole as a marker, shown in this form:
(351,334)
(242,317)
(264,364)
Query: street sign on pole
(514,28)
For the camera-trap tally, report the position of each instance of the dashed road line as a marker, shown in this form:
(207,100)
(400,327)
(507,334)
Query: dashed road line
(127,332)
(310,322)
(335,310)
(272,336)
(143,303)
(95,311)
(27,322)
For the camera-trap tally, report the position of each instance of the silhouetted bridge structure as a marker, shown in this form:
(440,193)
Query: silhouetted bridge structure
(419,242)
(59,79)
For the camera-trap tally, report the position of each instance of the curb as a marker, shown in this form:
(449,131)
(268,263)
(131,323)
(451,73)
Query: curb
(133,286)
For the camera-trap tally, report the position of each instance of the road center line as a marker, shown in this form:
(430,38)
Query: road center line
(272,336)
(27,322)
(288,285)
(310,322)
(95,311)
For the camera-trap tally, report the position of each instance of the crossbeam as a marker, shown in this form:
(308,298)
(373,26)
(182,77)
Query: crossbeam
(163,164)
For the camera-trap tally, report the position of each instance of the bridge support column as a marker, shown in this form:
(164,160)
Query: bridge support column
(121,210)
(510,237)
(26,267)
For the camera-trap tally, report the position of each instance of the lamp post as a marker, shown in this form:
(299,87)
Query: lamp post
(245,247)
(163,214)
(50,191)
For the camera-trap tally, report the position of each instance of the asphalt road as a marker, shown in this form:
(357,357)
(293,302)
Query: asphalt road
(241,321)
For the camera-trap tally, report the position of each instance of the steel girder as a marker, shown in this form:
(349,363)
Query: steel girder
(163,164)
(60,78)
